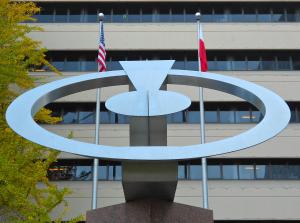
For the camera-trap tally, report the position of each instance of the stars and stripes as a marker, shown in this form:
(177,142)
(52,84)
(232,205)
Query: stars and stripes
(201,51)
(101,52)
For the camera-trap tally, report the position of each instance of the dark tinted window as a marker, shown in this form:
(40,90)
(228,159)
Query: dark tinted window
(230,172)
(246,172)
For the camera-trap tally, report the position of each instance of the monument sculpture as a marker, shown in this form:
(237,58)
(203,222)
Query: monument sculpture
(149,165)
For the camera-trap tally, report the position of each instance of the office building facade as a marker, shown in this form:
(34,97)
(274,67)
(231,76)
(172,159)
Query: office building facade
(253,40)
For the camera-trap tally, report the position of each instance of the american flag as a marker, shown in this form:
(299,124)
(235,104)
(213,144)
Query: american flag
(101,51)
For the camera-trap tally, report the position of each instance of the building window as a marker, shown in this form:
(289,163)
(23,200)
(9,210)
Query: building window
(223,113)
(193,117)
(279,171)
(69,116)
(294,172)
(195,172)
(210,116)
(230,172)
(262,172)
(161,12)
(214,172)
(242,116)
(227,117)
(246,172)
(217,60)
(217,169)
(86,117)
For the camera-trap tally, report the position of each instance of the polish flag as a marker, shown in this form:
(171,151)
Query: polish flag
(202,51)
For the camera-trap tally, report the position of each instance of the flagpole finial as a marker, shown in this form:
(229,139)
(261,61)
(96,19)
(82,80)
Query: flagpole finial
(101,16)
(198,15)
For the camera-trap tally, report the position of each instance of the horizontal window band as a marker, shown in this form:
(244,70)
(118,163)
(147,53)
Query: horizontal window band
(248,60)
(174,12)
(218,113)
(218,169)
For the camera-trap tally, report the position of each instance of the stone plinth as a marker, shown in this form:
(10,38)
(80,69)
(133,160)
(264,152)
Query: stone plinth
(150,211)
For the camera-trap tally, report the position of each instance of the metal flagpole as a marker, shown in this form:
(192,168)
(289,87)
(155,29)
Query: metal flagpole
(96,161)
(202,123)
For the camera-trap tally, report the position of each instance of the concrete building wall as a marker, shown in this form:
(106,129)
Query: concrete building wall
(248,199)
(165,36)
(285,145)
(284,83)
(230,200)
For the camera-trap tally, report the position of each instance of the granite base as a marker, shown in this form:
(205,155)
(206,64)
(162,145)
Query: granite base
(150,211)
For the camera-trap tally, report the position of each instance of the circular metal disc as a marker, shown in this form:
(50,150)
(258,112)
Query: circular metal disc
(147,103)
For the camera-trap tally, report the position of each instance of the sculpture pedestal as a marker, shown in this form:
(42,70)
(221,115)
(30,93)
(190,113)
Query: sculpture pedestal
(150,211)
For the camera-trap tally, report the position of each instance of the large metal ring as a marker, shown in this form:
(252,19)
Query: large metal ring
(20,114)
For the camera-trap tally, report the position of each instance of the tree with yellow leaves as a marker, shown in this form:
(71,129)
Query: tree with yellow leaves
(26,195)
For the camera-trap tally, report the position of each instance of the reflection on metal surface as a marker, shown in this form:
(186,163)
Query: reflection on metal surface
(276,116)
(147,78)
(147,75)
(148,103)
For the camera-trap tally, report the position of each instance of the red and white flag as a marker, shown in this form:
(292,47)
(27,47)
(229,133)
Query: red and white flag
(201,50)
(101,52)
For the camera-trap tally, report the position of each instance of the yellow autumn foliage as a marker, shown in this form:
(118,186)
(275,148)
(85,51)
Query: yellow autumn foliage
(26,195)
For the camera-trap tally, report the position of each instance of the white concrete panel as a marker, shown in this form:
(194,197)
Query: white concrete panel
(230,200)
(79,201)
(245,200)
(166,36)
(285,145)
(284,83)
